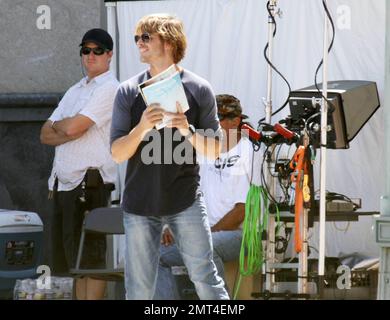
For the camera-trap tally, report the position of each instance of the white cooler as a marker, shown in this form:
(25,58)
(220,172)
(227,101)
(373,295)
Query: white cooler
(21,236)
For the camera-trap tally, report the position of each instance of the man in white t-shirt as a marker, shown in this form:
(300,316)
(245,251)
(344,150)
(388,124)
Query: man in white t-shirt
(225,183)
(83,170)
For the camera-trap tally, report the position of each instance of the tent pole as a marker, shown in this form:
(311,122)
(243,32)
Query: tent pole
(270,246)
(382,222)
(271,28)
(111,28)
(324,130)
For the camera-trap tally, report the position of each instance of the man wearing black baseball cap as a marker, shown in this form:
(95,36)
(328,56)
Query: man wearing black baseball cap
(82,167)
(100,37)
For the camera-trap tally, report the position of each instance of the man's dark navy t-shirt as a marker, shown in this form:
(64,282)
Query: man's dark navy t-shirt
(162,187)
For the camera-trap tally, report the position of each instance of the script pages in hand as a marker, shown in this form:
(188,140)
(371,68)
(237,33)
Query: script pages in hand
(165,89)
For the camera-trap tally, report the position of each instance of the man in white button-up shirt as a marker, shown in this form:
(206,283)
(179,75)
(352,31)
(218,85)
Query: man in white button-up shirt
(83,167)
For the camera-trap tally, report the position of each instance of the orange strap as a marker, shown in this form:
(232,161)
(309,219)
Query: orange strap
(300,170)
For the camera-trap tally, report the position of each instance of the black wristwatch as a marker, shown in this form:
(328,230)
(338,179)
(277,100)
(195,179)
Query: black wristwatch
(192,130)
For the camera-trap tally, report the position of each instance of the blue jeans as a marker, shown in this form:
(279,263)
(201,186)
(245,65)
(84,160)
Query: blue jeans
(226,247)
(193,237)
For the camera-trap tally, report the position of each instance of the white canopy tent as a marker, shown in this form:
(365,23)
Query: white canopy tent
(225,45)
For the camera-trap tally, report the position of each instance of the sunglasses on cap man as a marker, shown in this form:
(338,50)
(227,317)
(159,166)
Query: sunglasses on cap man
(98,51)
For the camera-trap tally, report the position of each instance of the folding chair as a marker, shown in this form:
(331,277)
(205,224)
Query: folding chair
(108,221)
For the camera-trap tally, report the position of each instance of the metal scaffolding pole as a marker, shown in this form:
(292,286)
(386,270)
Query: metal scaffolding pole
(324,130)
(382,222)
(270,258)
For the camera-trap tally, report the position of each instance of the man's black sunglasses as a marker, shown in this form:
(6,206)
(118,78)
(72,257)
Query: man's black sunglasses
(145,37)
(98,51)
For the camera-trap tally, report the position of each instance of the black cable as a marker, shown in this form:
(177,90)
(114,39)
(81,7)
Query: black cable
(322,60)
(272,18)
(283,187)
(264,183)
(253,159)
(262,176)
(283,241)
(284,190)
(256,148)
(272,65)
